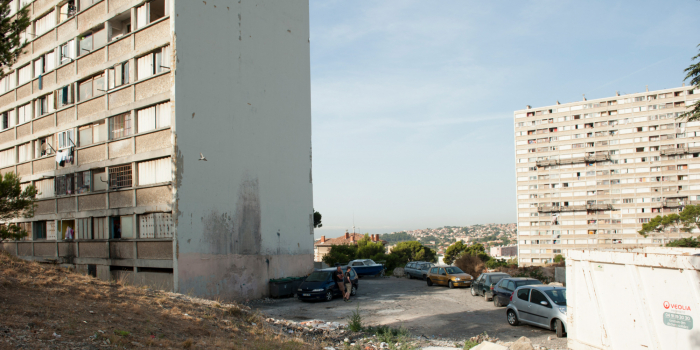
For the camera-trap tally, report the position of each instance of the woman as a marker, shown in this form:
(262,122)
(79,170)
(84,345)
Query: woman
(347,280)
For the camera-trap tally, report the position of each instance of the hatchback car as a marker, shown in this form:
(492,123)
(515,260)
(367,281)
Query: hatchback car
(319,285)
(505,287)
(541,306)
(450,276)
(485,283)
(418,269)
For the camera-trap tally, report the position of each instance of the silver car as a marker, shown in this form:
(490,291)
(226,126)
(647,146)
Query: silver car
(418,269)
(542,306)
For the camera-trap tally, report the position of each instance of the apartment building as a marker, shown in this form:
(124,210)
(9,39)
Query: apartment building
(590,173)
(181,160)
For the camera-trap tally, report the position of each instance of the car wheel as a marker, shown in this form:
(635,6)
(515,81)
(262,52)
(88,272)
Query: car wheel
(559,328)
(473,292)
(430,283)
(329,295)
(409,276)
(449,284)
(512,318)
(496,303)
(353,291)
(486,297)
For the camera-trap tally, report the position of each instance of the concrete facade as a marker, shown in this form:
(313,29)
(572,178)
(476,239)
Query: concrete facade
(142,104)
(591,173)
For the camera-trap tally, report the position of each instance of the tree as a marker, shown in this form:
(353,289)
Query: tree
(690,217)
(659,224)
(691,242)
(366,249)
(453,252)
(11,44)
(317,220)
(413,251)
(559,258)
(340,254)
(15,203)
(693,73)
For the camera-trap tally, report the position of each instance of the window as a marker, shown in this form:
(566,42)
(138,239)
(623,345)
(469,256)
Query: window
(44,63)
(153,63)
(44,146)
(24,152)
(93,40)
(84,4)
(7,157)
(118,75)
(64,185)
(24,75)
(150,12)
(67,52)
(7,119)
(154,117)
(99,180)
(538,297)
(93,133)
(94,86)
(82,182)
(39,229)
(120,126)
(524,294)
(7,83)
(66,139)
(154,171)
(120,176)
(64,96)
(122,226)
(67,11)
(44,105)
(120,25)
(45,23)
(24,113)
(45,188)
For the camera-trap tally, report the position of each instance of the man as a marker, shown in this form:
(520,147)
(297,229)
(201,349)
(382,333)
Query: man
(338,278)
(348,284)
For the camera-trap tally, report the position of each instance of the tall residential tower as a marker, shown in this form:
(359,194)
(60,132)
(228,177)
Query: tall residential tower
(590,173)
(171,137)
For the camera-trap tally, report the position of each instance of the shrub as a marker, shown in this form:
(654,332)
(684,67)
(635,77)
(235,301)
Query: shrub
(355,320)
(470,264)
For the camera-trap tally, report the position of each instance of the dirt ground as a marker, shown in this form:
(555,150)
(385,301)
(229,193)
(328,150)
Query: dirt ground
(435,312)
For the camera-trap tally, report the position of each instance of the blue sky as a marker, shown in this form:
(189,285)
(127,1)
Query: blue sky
(412,101)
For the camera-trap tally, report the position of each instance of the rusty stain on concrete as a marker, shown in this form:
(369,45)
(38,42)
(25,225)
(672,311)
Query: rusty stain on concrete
(248,217)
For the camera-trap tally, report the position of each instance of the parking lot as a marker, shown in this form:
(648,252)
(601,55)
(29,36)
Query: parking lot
(435,311)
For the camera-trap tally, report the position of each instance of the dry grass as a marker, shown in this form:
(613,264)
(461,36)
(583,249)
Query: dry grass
(37,301)
(470,264)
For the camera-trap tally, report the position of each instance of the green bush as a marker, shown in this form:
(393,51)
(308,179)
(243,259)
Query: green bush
(355,320)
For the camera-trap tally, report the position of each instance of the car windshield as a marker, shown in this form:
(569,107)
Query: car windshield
(452,270)
(318,276)
(558,296)
(526,283)
(370,262)
(496,278)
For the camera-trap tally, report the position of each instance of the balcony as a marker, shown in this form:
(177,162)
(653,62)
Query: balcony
(586,159)
(559,209)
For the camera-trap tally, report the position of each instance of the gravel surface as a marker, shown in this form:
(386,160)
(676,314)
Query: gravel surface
(435,312)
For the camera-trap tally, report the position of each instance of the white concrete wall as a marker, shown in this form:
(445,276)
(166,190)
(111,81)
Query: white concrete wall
(242,99)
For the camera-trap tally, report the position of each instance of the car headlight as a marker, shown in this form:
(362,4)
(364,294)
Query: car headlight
(563,310)
(457,279)
(318,290)
(299,290)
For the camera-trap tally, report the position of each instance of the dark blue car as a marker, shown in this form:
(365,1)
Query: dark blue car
(319,285)
(505,287)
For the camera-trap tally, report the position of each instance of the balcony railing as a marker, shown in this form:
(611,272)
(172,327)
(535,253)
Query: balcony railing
(586,159)
(559,209)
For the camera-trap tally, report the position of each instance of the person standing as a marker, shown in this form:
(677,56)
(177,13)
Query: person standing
(338,278)
(348,284)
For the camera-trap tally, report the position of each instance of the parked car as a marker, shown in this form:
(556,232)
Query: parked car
(505,287)
(319,285)
(542,306)
(367,267)
(450,276)
(418,269)
(484,284)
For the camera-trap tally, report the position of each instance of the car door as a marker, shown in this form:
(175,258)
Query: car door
(540,308)
(501,291)
(522,303)
(442,276)
(477,284)
(407,269)
(485,283)
(510,287)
